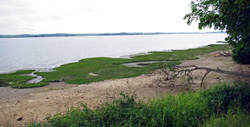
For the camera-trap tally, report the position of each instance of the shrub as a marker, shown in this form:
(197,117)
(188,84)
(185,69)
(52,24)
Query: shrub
(221,97)
(233,118)
(241,53)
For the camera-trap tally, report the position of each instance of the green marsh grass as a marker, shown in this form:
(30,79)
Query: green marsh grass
(112,68)
(30,85)
(15,78)
(106,68)
(19,80)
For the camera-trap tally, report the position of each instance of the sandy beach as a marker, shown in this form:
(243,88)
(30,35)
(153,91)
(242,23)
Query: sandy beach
(20,106)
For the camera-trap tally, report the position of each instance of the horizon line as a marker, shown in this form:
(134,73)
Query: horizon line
(99,34)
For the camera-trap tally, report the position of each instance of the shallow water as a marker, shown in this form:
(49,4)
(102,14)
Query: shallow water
(50,52)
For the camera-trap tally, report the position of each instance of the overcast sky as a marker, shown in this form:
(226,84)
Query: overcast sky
(94,16)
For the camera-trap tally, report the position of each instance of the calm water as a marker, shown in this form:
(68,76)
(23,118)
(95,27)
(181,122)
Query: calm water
(24,53)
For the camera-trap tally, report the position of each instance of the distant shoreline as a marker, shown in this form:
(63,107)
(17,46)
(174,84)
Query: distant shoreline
(129,56)
(99,34)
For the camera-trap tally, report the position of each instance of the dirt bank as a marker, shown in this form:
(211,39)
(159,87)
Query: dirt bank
(19,106)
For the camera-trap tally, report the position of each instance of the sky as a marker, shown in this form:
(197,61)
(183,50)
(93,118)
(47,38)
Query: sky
(94,16)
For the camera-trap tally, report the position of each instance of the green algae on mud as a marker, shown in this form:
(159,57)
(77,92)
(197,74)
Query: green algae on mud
(106,68)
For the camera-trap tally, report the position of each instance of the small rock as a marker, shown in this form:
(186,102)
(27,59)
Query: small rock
(20,119)
(166,79)
(150,85)
(47,98)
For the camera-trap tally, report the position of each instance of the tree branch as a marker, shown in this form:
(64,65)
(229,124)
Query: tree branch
(213,70)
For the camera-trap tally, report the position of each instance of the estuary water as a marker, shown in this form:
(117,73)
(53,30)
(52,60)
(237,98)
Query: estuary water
(50,52)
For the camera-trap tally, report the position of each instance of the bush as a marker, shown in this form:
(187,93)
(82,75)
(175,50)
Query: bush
(233,118)
(241,53)
(221,97)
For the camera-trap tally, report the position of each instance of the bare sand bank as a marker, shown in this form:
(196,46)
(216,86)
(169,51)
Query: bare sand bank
(20,106)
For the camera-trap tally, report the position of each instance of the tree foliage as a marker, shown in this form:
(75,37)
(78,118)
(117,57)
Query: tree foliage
(230,15)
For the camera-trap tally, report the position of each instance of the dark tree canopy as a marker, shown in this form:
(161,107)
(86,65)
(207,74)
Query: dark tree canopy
(233,16)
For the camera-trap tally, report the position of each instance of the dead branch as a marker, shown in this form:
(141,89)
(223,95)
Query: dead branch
(204,78)
(193,68)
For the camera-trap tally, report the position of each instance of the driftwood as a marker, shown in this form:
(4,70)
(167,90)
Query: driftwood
(193,68)
(225,54)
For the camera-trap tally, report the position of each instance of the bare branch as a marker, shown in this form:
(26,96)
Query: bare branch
(204,77)
(215,70)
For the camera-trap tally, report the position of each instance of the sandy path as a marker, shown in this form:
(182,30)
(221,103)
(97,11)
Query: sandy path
(37,103)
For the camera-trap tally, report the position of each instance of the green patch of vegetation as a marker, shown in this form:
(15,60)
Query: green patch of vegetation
(233,118)
(112,68)
(19,80)
(178,55)
(29,85)
(105,68)
(182,110)
(23,72)
(15,78)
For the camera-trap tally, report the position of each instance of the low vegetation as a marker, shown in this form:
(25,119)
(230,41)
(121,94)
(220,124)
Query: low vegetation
(112,68)
(19,79)
(222,105)
(29,85)
(103,68)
